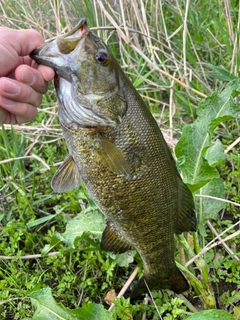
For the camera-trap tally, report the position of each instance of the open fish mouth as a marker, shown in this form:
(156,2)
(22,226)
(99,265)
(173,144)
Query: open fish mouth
(55,54)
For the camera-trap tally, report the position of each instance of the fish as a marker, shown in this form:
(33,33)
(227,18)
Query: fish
(117,150)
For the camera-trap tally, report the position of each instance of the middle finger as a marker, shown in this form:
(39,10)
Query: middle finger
(32,77)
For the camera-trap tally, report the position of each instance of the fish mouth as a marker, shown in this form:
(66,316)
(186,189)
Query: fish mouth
(55,54)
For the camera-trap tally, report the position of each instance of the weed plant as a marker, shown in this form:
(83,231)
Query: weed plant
(176,53)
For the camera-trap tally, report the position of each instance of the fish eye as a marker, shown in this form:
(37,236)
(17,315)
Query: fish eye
(102,57)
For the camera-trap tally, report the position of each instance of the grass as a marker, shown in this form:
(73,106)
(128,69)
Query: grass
(176,54)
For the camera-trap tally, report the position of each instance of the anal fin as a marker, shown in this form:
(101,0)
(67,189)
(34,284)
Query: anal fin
(67,176)
(113,241)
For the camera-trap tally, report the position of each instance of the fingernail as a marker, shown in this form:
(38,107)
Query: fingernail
(10,86)
(28,76)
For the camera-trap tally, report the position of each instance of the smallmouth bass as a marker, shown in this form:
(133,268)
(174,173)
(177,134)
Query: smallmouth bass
(117,149)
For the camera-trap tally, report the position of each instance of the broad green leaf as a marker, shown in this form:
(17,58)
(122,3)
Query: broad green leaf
(90,220)
(192,145)
(215,154)
(93,311)
(212,314)
(219,105)
(123,259)
(209,208)
(47,308)
(198,167)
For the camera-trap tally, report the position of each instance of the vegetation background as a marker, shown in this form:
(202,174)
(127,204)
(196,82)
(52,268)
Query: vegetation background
(176,54)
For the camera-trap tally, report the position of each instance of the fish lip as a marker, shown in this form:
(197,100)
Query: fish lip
(38,56)
(81,23)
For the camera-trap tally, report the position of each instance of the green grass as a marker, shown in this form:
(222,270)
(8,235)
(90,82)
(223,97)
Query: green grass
(173,66)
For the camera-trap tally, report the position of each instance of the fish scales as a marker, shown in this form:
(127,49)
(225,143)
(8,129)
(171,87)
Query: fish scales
(117,149)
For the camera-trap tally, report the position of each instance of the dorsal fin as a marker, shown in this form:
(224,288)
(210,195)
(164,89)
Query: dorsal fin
(113,241)
(67,176)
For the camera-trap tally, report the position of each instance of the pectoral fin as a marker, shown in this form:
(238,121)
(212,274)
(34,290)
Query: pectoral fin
(113,158)
(113,241)
(67,176)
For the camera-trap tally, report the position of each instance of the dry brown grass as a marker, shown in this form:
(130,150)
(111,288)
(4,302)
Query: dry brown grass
(145,41)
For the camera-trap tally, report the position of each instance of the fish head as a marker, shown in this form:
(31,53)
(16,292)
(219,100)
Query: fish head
(87,78)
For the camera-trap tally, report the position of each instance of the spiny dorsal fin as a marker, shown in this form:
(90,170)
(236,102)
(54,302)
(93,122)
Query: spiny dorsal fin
(67,176)
(113,241)
(113,158)
(186,220)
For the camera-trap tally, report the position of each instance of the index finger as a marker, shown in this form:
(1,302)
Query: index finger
(22,41)
(15,46)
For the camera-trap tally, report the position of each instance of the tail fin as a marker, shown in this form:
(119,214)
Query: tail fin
(174,280)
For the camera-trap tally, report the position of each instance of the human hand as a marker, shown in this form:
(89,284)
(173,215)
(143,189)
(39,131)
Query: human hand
(22,81)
